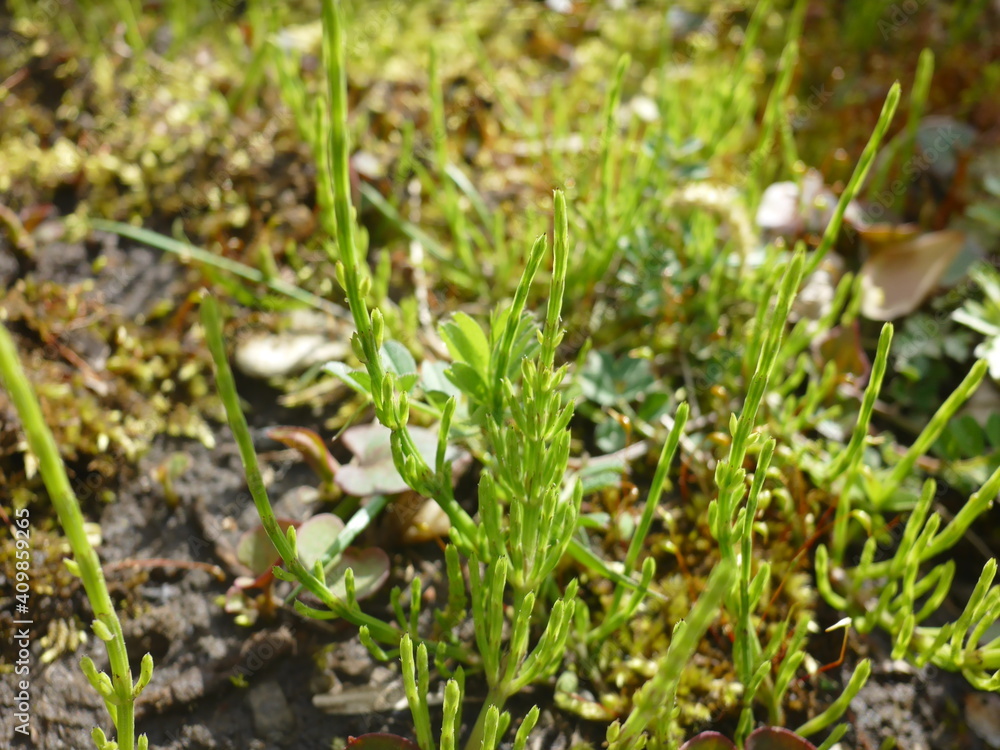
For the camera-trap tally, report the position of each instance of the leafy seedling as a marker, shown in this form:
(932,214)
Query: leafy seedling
(314,538)
(608,381)
(372,472)
(257,553)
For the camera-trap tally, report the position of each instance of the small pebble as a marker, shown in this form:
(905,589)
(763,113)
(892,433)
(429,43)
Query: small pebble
(272,717)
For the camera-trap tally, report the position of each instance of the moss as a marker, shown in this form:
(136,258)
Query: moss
(103,418)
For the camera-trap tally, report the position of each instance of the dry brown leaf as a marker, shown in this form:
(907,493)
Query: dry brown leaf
(899,276)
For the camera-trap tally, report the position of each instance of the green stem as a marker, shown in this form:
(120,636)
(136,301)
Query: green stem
(493,698)
(53,472)
(382,631)
(847,463)
(857,179)
(335,159)
(658,695)
(500,691)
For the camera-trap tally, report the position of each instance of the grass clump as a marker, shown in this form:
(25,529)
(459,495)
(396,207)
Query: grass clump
(527,510)
(662,320)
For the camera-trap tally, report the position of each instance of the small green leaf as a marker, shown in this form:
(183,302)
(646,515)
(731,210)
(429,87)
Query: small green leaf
(466,342)
(655,406)
(609,382)
(102,631)
(434,380)
(467,380)
(357,380)
(397,359)
(610,436)
(406,382)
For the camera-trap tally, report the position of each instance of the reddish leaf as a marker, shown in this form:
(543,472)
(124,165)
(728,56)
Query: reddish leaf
(260,582)
(32,216)
(709,741)
(765,738)
(380,741)
(843,346)
(312,448)
(776,738)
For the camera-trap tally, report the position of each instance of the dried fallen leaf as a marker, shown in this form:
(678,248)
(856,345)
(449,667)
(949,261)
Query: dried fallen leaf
(899,276)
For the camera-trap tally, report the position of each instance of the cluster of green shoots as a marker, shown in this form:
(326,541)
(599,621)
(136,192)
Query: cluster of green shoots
(510,401)
(896,595)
